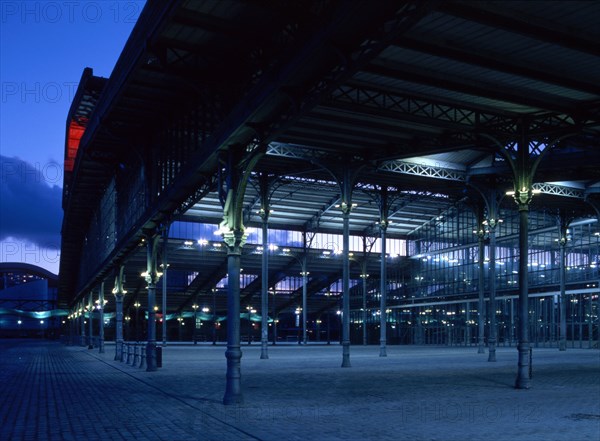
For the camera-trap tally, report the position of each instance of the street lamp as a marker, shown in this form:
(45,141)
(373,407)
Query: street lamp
(180,320)
(250,312)
(195,307)
(137,319)
(318,323)
(340,314)
(304,275)
(364,277)
(298,312)
(127,319)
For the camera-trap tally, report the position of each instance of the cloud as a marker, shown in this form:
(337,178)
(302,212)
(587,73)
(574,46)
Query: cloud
(30,201)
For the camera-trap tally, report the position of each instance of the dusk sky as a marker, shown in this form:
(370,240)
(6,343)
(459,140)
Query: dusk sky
(44,47)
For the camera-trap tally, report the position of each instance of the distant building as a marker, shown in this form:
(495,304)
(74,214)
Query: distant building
(28,301)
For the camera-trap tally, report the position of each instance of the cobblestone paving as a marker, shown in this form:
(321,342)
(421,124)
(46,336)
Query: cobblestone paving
(51,391)
(54,392)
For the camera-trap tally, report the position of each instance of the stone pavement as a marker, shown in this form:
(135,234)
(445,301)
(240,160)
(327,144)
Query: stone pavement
(56,392)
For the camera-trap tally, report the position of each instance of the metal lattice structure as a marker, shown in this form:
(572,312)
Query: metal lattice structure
(404,121)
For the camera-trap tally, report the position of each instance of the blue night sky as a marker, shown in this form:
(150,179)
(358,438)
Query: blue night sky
(44,47)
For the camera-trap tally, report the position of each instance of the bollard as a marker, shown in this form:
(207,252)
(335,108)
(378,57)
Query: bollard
(136,355)
(530,362)
(142,356)
(129,353)
(158,356)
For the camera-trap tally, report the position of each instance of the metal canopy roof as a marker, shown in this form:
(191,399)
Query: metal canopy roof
(411,92)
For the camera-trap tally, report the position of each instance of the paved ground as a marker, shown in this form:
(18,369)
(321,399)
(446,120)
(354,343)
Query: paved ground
(57,392)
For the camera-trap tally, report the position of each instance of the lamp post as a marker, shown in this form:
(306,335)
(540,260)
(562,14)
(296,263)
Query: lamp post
(214,316)
(304,273)
(155,309)
(318,323)
(275,321)
(180,321)
(249,315)
(119,291)
(195,307)
(127,320)
(137,320)
(340,315)
(205,310)
(100,303)
(298,312)
(364,277)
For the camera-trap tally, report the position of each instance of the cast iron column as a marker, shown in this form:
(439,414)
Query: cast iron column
(165,267)
(101,320)
(119,322)
(492,283)
(233,389)
(82,340)
(91,324)
(590,329)
(264,299)
(364,276)
(523,199)
(383,292)
(468,324)
(562,299)
(346,286)
(118,291)
(481,305)
(304,275)
(151,279)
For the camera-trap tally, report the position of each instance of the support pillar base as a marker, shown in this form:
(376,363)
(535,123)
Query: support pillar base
(264,352)
(346,354)
(382,350)
(233,389)
(523,380)
(492,351)
(151,357)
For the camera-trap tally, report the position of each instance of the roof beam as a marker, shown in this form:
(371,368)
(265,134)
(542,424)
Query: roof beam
(496,62)
(428,171)
(472,87)
(503,18)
